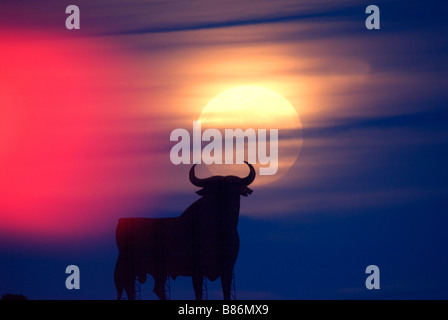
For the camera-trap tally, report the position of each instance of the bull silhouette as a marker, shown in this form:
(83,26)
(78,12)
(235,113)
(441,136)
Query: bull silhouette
(202,242)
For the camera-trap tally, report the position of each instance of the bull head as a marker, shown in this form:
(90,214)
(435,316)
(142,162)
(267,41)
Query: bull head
(230,184)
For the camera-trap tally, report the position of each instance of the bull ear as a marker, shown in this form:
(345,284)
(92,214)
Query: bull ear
(245,191)
(204,192)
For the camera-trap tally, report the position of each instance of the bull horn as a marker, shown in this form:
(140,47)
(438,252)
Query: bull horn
(251,177)
(195,180)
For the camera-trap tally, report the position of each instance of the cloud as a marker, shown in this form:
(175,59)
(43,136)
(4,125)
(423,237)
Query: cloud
(249,21)
(425,120)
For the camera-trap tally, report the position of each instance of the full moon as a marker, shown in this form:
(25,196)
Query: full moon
(255,107)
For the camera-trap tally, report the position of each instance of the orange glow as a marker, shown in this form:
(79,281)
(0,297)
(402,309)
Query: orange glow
(54,123)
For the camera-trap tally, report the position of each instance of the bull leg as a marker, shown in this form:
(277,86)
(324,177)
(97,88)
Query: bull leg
(159,287)
(119,277)
(124,279)
(130,290)
(226,283)
(197,285)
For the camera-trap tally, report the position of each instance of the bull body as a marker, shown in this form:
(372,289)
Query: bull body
(202,242)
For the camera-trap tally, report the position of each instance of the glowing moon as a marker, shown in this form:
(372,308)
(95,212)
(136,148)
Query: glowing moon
(258,108)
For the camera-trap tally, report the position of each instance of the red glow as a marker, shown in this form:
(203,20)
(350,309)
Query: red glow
(52,108)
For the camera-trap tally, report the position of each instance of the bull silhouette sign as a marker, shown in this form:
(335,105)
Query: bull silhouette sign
(202,242)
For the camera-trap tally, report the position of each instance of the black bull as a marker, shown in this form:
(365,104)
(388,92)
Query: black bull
(202,242)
